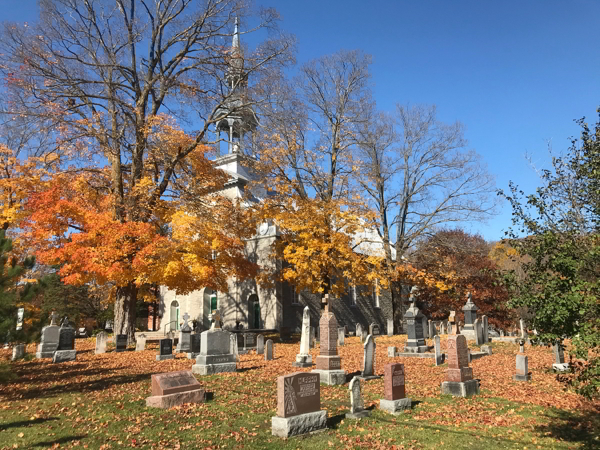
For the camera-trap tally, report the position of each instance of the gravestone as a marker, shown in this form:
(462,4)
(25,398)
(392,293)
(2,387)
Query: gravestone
(312,337)
(522,325)
(329,364)
(346,330)
(359,330)
(522,373)
(341,336)
(269,350)
(298,405)
(260,344)
(392,352)
(487,349)
(424,325)
(18,352)
(501,333)
(66,343)
(486,329)
(559,358)
(452,325)
(522,345)
(414,324)
(195,346)
(304,358)
(233,348)
(173,389)
(470,311)
(439,356)
(432,330)
(101,339)
(443,327)
(394,399)
(140,343)
(478,332)
(390,327)
(374,329)
(185,336)
(49,339)
(357,406)
(121,342)
(165,349)
(249,341)
(459,376)
(368,368)
(215,350)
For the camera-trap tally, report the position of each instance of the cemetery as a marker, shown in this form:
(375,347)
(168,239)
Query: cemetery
(217,236)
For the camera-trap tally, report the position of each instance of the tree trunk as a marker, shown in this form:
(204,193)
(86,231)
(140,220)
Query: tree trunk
(125,311)
(397,310)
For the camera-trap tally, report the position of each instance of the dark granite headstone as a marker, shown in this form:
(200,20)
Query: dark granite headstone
(195,343)
(165,349)
(66,338)
(298,393)
(121,342)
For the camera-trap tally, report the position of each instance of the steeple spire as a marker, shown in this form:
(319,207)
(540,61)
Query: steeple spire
(235,45)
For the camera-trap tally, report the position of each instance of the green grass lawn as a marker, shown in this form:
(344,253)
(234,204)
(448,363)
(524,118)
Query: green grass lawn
(98,402)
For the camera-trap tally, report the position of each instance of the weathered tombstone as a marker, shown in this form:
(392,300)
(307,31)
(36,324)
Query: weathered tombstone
(304,358)
(329,364)
(452,325)
(390,327)
(522,325)
(522,373)
(478,332)
(173,389)
(470,311)
(368,368)
(140,343)
(357,406)
(121,342)
(260,344)
(101,339)
(487,349)
(165,349)
(439,356)
(374,329)
(359,330)
(249,341)
(185,336)
(522,345)
(394,400)
(194,346)
(298,405)
(443,327)
(346,330)
(432,330)
(233,348)
(392,352)
(312,337)
(18,352)
(414,324)
(49,341)
(341,336)
(215,350)
(559,358)
(425,327)
(459,376)
(486,329)
(66,343)
(269,350)
(501,333)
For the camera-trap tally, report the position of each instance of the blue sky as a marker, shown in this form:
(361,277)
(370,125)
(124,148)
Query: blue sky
(516,73)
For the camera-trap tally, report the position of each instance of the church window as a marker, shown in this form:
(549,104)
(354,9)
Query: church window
(295,295)
(353,296)
(376,293)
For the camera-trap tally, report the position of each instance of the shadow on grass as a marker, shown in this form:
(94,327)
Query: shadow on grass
(580,428)
(83,386)
(62,440)
(25,423)
(334,421)
(349,376)
(246,369)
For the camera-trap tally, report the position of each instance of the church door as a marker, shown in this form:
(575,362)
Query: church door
(256,314)
(174,325)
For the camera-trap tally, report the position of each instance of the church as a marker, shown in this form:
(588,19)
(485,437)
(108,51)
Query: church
(245,304)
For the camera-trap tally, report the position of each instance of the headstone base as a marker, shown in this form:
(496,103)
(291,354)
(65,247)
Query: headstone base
(486,349)
(469,334)
(518,377)
(395,406)
(303,361)
(163,357)
(358,414)
(303,423)
(40,355)
(331,377)
(64,355)
(45,350)
(179,398)
(419,349)
(192,355)
(391,352)
(564,367)
(461,388)
(368,377)
(210,369)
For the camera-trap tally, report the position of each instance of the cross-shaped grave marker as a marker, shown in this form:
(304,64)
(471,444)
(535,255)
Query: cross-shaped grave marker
(185,318)
(53,318)
(215,317)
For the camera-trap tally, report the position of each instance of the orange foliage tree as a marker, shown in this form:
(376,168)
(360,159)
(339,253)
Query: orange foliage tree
(452,263)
